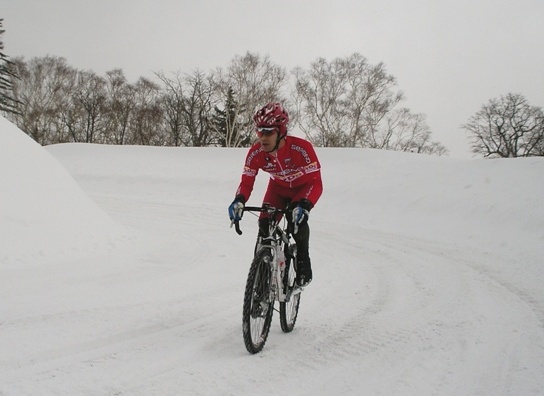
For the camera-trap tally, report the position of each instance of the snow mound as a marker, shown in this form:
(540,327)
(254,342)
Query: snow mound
(499,201)
(43,212)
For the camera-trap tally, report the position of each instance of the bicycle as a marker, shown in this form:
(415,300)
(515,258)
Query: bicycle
(271,278)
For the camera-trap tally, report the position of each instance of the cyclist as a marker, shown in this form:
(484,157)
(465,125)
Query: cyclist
(295,180)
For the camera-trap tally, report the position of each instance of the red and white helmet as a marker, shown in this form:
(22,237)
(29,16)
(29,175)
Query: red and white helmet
(272,115)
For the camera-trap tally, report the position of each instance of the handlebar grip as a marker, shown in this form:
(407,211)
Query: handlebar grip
(237,227)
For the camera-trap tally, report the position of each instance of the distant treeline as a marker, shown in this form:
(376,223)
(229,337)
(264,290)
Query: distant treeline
(346,102)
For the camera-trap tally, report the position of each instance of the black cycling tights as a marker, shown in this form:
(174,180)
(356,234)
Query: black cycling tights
(302,237)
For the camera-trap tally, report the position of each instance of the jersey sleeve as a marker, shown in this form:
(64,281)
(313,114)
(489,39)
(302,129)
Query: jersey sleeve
(313,174)
(251,168)
(315,188)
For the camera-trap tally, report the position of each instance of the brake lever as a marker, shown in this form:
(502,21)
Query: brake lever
(236,226)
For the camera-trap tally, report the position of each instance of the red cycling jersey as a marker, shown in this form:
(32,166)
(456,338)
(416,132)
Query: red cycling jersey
(294,169)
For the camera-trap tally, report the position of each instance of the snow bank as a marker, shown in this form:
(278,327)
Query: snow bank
(43,212)
(497,203)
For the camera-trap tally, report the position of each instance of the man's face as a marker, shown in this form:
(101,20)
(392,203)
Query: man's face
(267,138)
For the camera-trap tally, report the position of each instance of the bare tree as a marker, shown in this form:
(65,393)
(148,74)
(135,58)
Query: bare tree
(173,102)
(147,123)
(44,85)
(197,110)
(119,107)
(256,81)
(403,131)
(341,103)
(507,127)
(187,103)
(83,115)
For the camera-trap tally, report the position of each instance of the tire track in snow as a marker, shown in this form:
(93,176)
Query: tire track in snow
(402,312)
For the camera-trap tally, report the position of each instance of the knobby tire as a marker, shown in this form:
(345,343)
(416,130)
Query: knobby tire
(289,309)
(258,303)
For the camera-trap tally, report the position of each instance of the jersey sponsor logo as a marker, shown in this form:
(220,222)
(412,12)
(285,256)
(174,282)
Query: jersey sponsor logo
(313,167)
(268,166)
(302,151)
(287,176)
(252,155)
(249,172)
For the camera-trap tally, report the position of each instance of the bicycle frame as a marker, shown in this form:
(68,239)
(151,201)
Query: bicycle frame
(277,240)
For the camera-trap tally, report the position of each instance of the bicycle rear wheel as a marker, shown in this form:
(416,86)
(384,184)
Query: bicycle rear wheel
(289,308)
(258,303)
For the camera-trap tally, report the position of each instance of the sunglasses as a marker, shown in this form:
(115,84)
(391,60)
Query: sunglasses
(266,131)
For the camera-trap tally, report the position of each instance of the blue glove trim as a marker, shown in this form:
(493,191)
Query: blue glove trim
(233,211)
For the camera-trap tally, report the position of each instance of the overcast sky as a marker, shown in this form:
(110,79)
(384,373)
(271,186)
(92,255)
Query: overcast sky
(449,57)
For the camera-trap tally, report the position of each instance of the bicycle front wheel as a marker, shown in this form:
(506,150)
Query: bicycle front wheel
(289,308)
(258,303)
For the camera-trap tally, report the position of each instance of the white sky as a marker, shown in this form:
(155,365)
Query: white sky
(449,57)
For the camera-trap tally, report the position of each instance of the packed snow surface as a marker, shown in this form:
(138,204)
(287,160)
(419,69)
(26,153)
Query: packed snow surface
(119,275)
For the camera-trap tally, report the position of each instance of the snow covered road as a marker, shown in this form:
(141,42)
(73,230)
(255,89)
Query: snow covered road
(396,308)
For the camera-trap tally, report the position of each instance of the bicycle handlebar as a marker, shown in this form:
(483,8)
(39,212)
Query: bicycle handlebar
(265,208)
